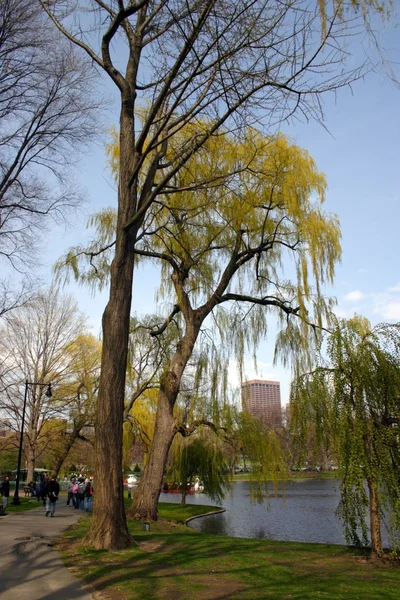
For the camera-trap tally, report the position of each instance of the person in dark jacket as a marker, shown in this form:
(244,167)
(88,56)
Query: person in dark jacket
(5,492)
(42,489)
(88,495)
(52,491)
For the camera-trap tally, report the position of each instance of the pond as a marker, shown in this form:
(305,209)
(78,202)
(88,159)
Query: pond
(306,513)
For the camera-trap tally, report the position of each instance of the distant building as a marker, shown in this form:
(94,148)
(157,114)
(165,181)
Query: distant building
(263,399)
(5,427)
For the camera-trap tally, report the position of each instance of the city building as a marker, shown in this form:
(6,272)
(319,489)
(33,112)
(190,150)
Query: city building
(263,399)
(5,427)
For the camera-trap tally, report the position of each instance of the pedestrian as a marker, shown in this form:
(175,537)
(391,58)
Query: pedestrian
(52,491)
(81,493)
(42,489)
(70,491)
(88,495)
(5,492)
(75,490)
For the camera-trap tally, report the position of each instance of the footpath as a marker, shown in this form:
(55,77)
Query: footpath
(30,568)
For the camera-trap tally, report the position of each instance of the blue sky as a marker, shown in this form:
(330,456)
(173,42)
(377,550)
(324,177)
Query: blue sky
(360,157)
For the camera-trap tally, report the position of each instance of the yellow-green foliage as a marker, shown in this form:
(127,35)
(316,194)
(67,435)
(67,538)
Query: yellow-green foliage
(366,7)
(139,425)
(258,196)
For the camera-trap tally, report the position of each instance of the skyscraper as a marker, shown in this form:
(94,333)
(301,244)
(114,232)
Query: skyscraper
(263,399)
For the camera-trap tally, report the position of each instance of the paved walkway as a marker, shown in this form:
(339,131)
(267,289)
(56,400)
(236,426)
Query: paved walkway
(30,569)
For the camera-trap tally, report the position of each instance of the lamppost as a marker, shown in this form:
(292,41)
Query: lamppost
(49,394)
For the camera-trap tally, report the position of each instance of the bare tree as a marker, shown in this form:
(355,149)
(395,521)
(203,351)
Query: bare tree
(36,346)
(214,65)
(45,117)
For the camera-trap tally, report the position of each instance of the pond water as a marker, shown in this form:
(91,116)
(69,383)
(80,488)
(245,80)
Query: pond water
(306,513)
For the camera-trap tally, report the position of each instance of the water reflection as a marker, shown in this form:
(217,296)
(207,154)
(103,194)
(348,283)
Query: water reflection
(306,513)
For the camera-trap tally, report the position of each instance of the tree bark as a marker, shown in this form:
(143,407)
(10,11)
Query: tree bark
(145,501)
(30,463)
(108,527)
(375,520)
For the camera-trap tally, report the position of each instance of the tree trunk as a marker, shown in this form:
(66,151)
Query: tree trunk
(108,526)
(325,460)
(375,520)
(145,501)
(30,463)
(63,455)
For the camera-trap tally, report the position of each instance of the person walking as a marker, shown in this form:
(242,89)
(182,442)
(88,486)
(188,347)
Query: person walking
(52,491)
(75,490)
(42,489)
(81,493)
(88,495)
(70,491)
(5,492)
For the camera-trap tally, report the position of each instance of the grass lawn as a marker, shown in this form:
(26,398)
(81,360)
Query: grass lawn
(26,504)
(172,561)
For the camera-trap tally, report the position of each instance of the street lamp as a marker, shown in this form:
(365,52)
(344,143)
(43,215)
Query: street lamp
(49,394)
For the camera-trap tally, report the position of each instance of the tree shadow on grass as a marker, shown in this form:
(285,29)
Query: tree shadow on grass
(182,565)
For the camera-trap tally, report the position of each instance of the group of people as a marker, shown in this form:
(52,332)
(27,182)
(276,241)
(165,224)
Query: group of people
(47,491)
(80,491)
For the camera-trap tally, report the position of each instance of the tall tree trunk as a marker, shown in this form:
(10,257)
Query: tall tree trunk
(145,501)
(375,520)
(108,527)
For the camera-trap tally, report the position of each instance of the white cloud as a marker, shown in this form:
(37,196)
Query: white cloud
(391,311)
(354,296)
(343,313)
(395,288)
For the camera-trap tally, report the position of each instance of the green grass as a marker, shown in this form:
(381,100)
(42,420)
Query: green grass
(26,504)
(173,561)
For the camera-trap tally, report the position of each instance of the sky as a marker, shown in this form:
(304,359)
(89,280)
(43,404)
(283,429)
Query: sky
(358,150)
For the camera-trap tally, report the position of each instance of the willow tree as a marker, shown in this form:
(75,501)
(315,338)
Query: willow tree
(228,62)
(199,457)
(356,398)
(225,252)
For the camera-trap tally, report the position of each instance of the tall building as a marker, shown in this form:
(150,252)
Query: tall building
(263,399)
